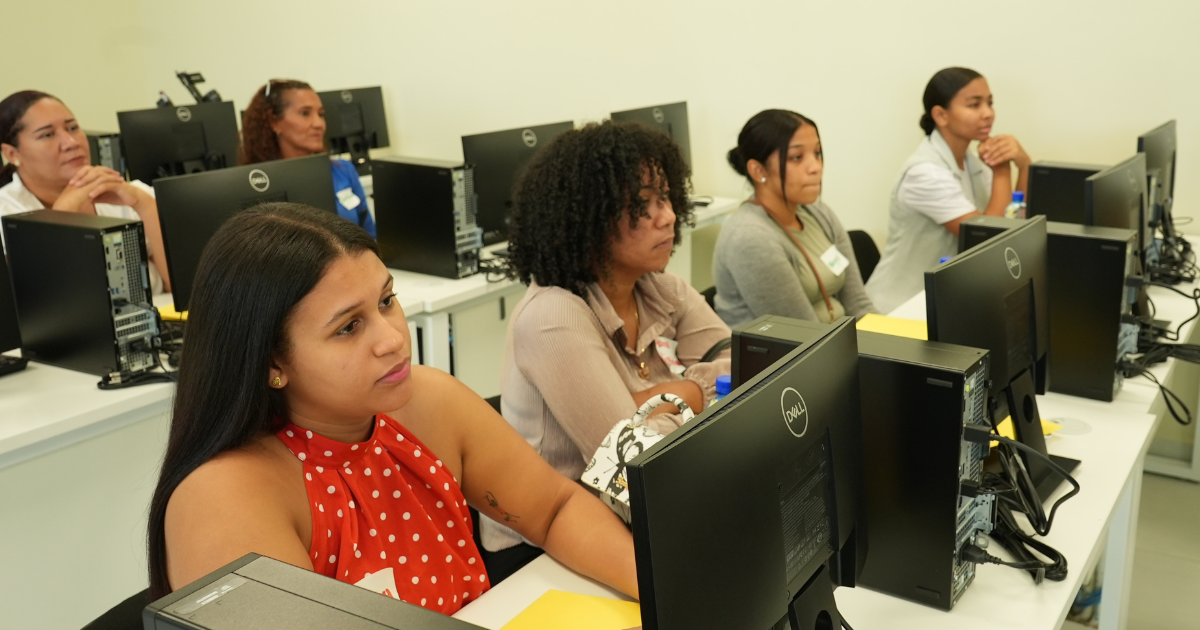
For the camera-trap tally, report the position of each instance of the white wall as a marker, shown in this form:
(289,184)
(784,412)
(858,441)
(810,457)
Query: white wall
(89,54)
(1074,80)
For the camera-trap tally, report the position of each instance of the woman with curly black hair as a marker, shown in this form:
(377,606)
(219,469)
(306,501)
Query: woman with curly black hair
(602,328)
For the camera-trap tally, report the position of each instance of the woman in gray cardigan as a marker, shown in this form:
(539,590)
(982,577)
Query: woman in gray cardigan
(784,252)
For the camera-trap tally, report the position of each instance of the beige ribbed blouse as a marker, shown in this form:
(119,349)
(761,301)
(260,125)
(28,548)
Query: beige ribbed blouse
(568,373)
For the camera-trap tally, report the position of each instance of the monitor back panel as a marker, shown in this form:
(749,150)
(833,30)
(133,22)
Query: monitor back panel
(192,207)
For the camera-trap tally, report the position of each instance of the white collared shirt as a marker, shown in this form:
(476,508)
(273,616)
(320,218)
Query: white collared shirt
(16,198)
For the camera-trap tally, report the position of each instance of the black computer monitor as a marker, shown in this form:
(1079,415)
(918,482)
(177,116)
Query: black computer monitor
(355,121)
(671,118)
(1116,197)
(192,207)
(499,159)
(170,141)
(1158,145)
(10,330)
(993,296)
(747,514)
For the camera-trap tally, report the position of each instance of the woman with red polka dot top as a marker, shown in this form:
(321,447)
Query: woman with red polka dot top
(302,432)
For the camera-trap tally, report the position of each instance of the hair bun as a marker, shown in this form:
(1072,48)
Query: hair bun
(737,161)
(927,124)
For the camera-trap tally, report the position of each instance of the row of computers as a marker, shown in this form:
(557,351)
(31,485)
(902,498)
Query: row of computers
(171,141)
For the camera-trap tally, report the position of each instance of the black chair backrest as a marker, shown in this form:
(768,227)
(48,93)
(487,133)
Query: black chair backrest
(865,252)
(126,615)
(709,295)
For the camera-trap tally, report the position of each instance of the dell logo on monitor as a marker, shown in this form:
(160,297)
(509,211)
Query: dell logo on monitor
(259,180)
(658,115)
(347,96)
(529,138)
(1013,262)
(183,114)
(795,412)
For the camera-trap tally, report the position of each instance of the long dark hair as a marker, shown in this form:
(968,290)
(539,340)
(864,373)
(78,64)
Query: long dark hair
(942,89)
(12,110)
(252,273)
(567,204)
(259,143)
(768,132)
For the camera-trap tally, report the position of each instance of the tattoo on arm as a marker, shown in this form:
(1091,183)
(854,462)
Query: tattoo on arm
(508,517)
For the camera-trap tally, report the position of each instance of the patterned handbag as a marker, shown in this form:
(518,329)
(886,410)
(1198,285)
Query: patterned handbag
(628,439)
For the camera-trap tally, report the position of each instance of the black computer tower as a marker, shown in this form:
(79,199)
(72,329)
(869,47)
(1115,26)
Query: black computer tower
(82,288)
(258,592)
(1086,267)
(425,216)
(105,148)
(920,474)
(1056,191)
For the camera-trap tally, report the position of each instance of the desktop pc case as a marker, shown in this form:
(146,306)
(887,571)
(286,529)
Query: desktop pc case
(258,592)
(82,288)
(425,216)
(920,475)
(105,148)
(1056,191)
(1089,304)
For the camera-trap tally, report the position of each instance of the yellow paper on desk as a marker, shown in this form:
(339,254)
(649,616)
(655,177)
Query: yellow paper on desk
(168,313)
(557,609)
(1005,429)
(911,328)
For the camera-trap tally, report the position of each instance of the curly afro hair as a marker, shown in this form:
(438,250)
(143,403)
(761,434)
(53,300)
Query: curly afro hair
(259,143)
(567,203)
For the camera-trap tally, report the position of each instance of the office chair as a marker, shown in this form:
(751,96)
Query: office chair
(710,294)
(126,615)
(865,252)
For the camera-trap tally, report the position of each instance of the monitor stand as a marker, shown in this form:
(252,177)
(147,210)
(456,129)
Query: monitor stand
(814,607)
(1021,396)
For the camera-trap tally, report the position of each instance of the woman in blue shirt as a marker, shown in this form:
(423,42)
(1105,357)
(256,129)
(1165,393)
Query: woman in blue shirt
(285,119)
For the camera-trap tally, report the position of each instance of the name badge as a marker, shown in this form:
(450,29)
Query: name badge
(666,349)
(348,199)
(834,259)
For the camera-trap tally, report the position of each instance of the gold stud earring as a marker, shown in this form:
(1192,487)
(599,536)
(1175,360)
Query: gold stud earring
(276,382)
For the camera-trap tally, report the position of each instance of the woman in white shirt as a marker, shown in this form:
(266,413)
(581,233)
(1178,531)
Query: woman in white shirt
(944,182)
(49,166)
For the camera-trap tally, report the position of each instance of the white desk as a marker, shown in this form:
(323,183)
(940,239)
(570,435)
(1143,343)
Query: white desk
(1110,439)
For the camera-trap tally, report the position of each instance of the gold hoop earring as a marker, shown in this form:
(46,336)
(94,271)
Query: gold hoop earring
(276,382)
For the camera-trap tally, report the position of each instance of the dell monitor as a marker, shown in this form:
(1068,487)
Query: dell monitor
(192,207)
(355,122)
(170,141)
(672,119)
(748,514)
(499,158)
(993,296)
(1116,197)
(1158,145)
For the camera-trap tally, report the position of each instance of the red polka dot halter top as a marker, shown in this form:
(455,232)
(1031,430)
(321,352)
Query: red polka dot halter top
(389,517)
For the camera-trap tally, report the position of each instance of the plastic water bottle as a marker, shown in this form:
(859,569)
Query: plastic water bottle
(724,386)
(1016,209)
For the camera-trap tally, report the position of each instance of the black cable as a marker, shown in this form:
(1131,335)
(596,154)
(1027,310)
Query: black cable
(1041,522)
(1131,367)
(494,269)
(845,624)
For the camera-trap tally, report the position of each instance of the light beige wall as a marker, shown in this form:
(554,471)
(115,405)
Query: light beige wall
(1074,79)
(90,54)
